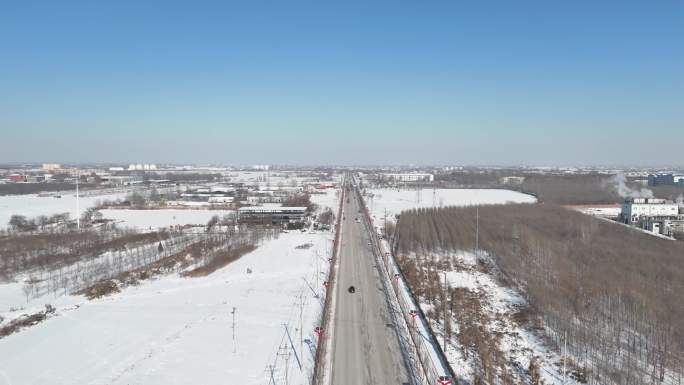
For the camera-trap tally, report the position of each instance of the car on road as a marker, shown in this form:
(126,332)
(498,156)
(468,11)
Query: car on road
(351,289)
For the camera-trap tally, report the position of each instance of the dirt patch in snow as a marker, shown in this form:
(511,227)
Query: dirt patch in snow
(25,321)
(220,259)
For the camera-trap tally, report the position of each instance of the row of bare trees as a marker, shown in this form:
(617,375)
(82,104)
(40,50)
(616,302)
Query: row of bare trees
(615,292)
(205,250)
(25,252)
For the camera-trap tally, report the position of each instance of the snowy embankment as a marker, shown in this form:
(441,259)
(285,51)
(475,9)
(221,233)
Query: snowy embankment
(179,330)
(391,202)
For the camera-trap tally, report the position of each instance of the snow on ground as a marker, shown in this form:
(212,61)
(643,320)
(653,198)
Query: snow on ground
(155,219)
(179,330)
(499,303)
(397,200)
(33,205)
(330,198)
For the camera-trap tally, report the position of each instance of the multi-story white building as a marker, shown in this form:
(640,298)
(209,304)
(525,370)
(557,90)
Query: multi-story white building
(636,209)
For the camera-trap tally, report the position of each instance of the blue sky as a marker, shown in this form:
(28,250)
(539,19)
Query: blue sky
(367,82)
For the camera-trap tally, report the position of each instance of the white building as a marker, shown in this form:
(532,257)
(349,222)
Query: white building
(142,167)
(222,189)
(52,166)
(221,200)
(121,180)
(638,209)
(409,177)
(512,180)
(188,203)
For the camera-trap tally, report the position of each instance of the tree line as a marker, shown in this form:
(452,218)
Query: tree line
(615,292)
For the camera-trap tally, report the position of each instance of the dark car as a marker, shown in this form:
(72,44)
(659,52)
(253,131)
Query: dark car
(351,289)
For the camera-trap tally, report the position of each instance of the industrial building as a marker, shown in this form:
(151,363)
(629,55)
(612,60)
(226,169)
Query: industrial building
(659,216)
(271,214)
(121,180)
(206,196)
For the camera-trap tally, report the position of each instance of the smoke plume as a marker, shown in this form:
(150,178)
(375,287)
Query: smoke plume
(619,183)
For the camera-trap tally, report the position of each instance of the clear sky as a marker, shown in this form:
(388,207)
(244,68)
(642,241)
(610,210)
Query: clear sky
(344,82)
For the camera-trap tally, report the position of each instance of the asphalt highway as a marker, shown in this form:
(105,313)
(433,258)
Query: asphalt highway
(365,348)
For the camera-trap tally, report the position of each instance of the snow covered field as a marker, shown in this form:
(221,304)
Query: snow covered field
(156,219)
(32,205)
(499,306)
(329,199)
(179,330)
(395,201)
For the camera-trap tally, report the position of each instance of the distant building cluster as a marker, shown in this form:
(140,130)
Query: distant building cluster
(408,177)
(205,196)
(142,167)
(666,180)
(51,167)
(117,180)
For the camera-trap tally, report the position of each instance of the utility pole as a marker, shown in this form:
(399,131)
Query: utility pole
(565,354)
(318,273)
(477,231)
(445,313)
(285,349)
(78,209)
(301,323)
(289,338)
(271,370)
(234,345)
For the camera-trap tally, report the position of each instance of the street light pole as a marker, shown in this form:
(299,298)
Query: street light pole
(233,313)
(78,209)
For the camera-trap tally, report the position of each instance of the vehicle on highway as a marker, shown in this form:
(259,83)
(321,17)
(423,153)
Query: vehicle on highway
(351,289)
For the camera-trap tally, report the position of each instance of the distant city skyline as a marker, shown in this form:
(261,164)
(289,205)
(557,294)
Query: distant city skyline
(376,83)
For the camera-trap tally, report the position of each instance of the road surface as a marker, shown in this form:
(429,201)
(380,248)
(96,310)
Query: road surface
(365,346)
